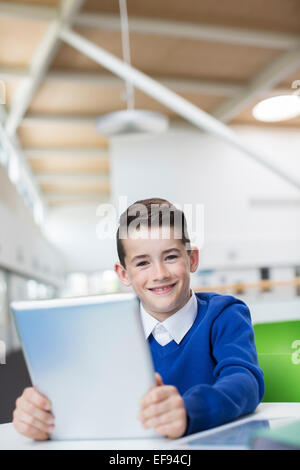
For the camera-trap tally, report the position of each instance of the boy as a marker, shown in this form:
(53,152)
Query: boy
(202,344)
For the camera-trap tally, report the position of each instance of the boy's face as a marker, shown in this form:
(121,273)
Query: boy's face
(158,269)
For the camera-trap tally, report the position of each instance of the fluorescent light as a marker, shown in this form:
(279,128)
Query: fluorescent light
(277,108)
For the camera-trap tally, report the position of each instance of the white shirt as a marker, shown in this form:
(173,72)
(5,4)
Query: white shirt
(174,327)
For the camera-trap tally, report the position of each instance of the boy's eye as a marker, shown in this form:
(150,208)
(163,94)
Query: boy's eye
(144,263)
(170,257)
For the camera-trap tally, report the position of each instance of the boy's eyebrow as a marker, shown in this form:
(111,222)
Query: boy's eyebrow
(171,249)
(135,258)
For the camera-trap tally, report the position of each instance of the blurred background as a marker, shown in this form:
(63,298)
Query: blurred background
(56,167)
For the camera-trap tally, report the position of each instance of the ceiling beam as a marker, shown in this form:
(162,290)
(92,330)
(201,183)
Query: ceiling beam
(211,87)
(13,73)
(39,64)
(33,118)
(189,30)
(181,106)
(26,11)
(40,153)
(200,31)
(203,87)
(263,82)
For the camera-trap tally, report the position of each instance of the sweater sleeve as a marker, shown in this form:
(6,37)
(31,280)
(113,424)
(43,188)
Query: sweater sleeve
(239,385)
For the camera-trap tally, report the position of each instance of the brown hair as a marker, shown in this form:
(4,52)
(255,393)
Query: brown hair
(149,212)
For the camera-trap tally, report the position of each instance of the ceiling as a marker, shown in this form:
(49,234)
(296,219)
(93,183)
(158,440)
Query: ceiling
(221,56)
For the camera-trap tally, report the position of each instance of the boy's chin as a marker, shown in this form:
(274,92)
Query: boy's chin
(167,304)
(164,306)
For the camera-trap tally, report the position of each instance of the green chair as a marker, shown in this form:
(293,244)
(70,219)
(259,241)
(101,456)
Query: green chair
(278,349)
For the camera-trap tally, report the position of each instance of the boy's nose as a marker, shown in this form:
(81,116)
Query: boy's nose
(160,273)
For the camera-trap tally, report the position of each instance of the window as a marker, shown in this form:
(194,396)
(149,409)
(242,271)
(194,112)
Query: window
(96,283)
(265,276)
(3,155)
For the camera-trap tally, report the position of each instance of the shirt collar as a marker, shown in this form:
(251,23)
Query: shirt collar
(177,324)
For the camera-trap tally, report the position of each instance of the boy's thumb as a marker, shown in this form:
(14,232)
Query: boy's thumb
(158,378)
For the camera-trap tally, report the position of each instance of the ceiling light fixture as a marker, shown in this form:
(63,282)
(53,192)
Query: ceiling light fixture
(130,121)
(277,108)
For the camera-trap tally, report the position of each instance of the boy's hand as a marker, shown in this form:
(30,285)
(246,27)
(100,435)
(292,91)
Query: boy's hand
(32,416)
(162,408)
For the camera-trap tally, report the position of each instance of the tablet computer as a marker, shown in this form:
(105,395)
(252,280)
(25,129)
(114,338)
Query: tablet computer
(89,356)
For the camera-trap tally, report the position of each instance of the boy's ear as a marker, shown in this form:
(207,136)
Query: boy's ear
(194,259)
(122,274)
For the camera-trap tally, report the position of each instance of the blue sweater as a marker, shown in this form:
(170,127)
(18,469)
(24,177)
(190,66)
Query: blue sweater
(215,366)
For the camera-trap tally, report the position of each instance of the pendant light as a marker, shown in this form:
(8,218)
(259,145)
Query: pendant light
(130,121)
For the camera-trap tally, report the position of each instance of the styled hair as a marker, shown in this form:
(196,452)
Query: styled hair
(149,213)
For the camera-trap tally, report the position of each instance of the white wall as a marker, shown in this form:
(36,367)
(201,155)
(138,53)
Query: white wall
(73,230)
(189,167)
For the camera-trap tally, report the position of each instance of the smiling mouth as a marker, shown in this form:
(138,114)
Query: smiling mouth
(162,289)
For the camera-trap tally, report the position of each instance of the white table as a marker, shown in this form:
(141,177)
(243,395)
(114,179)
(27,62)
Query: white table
(11,440)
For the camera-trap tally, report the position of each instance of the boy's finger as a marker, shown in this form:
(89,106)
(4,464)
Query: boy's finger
(35,397)
(155,410)
(172,424)
(22,417)
(158,378)
(30,431)
(157,394)
(160,420)
(172,430)
(31,409)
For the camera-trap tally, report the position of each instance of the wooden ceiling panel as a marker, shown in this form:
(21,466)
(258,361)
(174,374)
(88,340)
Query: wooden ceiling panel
(49,134)
(75,187)
(205,102)
(166,56)
(67,178)
(48,3)
(68,57)
(272,15)
(69,164)
(65,98)
(75,200)
(19,40)
(55,97)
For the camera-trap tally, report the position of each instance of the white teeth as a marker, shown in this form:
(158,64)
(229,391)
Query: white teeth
(162,289)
